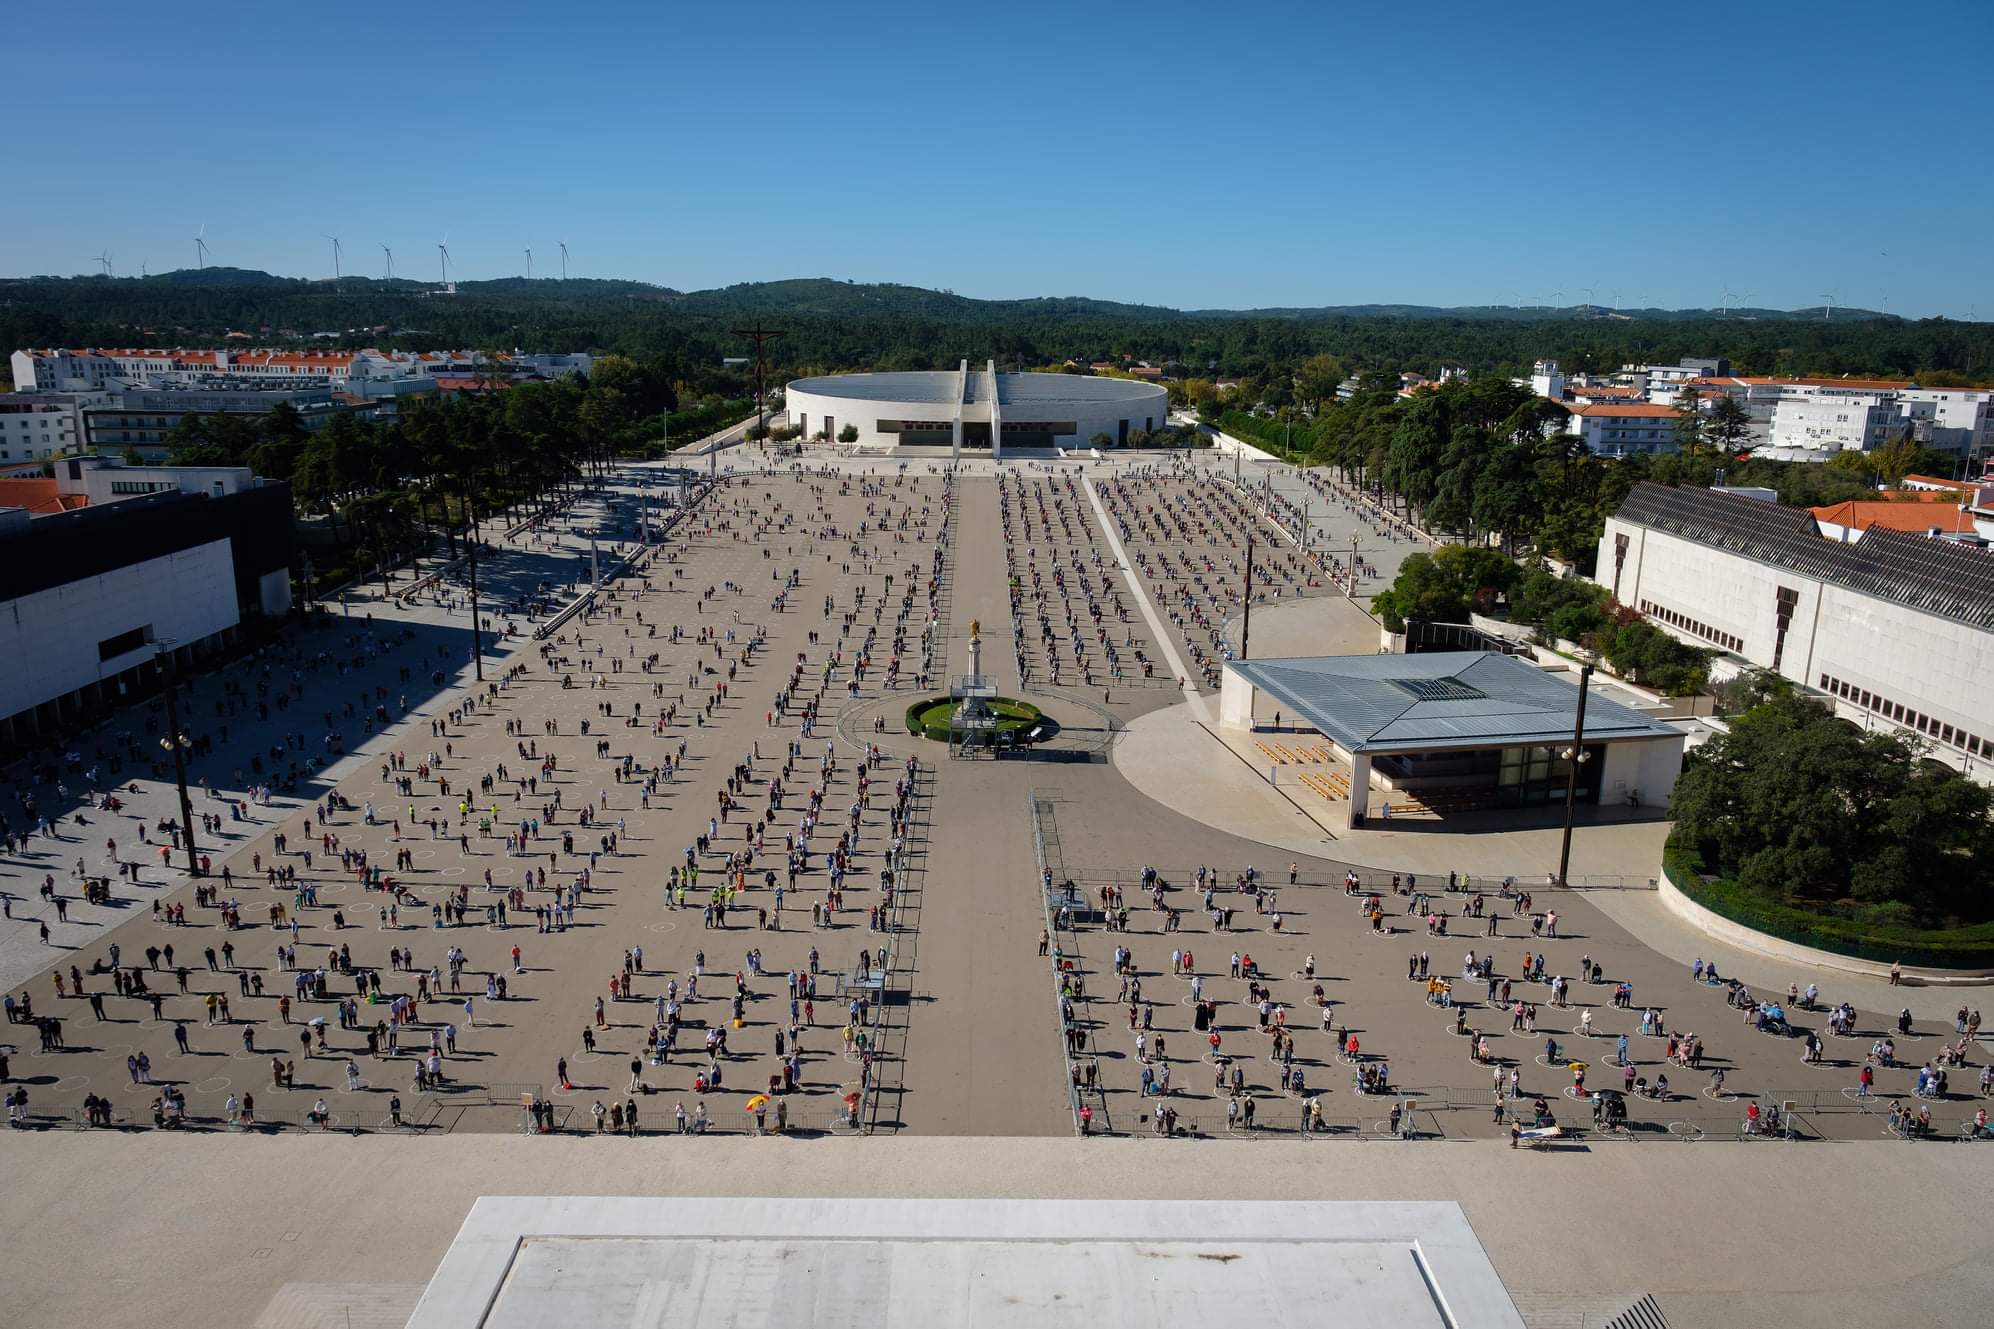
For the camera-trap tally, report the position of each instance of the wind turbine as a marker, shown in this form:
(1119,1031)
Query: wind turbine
(104,257)
(391,260)
(1724,306)
(1829,315)
(1590,298)
(201,247)
(443,257)
(529,263)
(335,255)
(564,260)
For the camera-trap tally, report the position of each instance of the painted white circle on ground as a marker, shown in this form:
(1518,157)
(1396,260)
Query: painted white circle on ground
(71,1083)
(214,1084)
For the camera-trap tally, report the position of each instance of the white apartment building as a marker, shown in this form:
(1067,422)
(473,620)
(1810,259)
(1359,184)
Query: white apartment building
(1962,419)
(1622,429)
(31,430)
(1814,418)
(1832,422)
(1896,630)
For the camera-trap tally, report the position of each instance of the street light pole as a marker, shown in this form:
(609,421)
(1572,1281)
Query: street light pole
(471,547)
(1572,776)
(1246,621)
(176,743)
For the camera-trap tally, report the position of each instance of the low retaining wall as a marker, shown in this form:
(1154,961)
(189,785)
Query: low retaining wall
(1714,924)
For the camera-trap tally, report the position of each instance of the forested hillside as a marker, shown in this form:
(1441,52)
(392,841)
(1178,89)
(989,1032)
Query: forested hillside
(843,325)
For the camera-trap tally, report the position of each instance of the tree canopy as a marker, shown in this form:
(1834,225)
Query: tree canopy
(1446,586)
(1802,808)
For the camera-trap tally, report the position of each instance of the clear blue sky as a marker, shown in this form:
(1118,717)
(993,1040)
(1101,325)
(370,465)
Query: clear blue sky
(1193,155)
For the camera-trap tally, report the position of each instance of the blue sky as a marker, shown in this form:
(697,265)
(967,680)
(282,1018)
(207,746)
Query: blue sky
(1192,155)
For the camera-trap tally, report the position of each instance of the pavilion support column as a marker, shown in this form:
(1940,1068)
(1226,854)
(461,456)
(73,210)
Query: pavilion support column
(1236,697)
(1360,788)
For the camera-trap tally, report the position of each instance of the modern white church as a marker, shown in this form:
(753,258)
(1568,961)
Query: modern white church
(976,409)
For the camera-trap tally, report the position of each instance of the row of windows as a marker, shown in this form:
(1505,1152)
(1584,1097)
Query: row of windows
(1688,624)
(1910,719)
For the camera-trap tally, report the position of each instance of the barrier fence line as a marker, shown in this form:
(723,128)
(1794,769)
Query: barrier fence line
(1064,950)
(909,881)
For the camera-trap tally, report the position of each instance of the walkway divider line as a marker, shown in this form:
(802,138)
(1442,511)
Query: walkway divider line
(1191,693)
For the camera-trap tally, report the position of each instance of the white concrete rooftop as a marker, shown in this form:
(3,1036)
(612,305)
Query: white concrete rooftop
(523,1263)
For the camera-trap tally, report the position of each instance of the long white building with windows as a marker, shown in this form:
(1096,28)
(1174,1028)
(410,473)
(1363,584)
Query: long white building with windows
(976,408)
(1895,629)
(58,370)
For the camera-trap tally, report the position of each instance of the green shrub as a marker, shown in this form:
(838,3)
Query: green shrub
(929,717)
(1880,933)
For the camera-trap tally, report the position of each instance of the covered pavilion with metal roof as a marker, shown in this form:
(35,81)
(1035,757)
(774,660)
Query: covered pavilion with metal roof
(1469,722)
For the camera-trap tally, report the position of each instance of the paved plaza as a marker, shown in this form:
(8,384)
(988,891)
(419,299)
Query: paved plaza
(676,853)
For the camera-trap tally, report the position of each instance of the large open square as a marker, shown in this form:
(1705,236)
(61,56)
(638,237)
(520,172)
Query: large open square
(676,865)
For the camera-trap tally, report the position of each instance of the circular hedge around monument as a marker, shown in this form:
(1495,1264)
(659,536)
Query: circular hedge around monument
(1017,721)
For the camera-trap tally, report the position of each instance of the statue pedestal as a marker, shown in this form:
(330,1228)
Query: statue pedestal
(973,691)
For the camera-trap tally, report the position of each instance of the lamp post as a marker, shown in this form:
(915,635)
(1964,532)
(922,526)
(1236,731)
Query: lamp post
(1574,756)
(177,743)
(471,554)
(1246,622)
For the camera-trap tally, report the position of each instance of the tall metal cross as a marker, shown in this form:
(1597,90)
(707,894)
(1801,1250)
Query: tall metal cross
(760,336)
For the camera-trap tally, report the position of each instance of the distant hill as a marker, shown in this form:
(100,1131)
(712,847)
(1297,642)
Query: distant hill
(837,325)
(1533,313)
(829,297)
(804,297)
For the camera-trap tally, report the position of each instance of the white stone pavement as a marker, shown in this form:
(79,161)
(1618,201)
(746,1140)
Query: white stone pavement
(288,1233)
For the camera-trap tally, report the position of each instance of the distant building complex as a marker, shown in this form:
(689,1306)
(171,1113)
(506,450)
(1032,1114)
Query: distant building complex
(1793,419)
(130,400)
(1895,629)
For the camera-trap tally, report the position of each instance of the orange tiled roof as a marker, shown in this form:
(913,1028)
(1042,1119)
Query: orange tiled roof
(1631,409)
(38,495)
(1867,384)
(1914,518)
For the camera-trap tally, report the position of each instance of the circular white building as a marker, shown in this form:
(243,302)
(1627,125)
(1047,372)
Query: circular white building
(966,408)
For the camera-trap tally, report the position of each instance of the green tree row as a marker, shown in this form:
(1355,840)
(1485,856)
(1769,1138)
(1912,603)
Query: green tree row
(1456,581)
